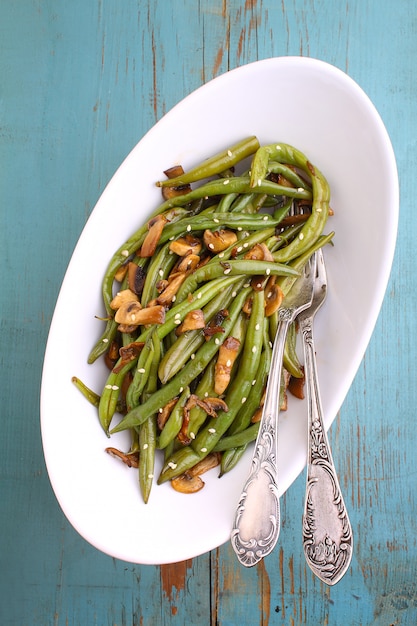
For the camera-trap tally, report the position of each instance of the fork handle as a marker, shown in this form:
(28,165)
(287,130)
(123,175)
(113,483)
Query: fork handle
(257,520)
(327,532)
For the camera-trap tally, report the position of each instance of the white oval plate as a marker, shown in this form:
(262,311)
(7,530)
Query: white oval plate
(321,111)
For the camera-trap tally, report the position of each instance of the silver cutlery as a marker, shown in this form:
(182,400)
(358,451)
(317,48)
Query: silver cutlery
(257,519)
(327,532)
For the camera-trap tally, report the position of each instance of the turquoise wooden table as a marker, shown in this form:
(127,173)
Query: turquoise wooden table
(81,82)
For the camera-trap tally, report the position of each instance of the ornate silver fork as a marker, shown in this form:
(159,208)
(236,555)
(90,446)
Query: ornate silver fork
(327,532)
(257,519)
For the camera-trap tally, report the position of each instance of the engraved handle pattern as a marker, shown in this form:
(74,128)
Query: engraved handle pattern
(327,533)
(257,520)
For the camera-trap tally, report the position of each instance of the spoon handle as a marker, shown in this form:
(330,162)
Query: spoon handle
(327,532)
(257,520)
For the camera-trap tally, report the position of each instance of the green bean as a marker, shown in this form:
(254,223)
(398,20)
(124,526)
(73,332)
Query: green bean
(174,422)
(313,227)
(240,439)
(159,268)
(110,395)
(237,394)
(240,267)
(216,164)
(92,396)
(147,430)
(190,372)
(291,361)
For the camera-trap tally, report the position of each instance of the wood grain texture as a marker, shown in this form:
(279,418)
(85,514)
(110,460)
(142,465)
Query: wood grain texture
(81,83)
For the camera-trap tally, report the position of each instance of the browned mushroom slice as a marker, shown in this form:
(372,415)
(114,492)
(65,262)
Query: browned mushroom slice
(218,240)
(112,355)
(121,297)
(259,252)
(167,295)
(165,412)
(187,483)
(185,245)
(273,299)
(155,228)
(228,352)
(131,313)
(131,459)
(171,192)
(136,278)
(215,325)
(188,263)
(194,320)
(128,353)
(296,387)
(190,481)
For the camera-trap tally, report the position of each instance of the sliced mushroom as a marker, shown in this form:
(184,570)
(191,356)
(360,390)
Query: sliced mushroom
(259,252)
(218,240)
(165,412)
(296,387)
(227,355)
(215,325)
(171,192)
(166,296)
(155,228)
(273,299)
(132,313)
(192,321)
(188,263)
(128,353)
(121,273)
(190,481)
(136,278)
(185,245)
(122,297)
(187,483)
(112,355)
(131,459)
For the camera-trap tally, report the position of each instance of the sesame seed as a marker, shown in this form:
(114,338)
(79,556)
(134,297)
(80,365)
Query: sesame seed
(192,357)
(216,221)
(239,228)
(239,249)
(141,370)
(133,316)
(246,245)
(243,400)
(221,255)
(160,410)
(212,430)
(108,387)
(268,271)
(254,382)
(226,181)
(227,271)
(217,341)
(125,253)
(145,446)
(203,449)
(318,210)
(115,387)
(270,344)
(211,246)
(181,389)
(177,315)
(188,227)
(172,465)
(150,475)
(254,349)
(234,294)
(278,147)
(206,394)
(259,182)
(172,238)
(192,436)
(301,236)
(265,218)
(161,273)
(300,189)
(257,327)
(105,340)
(228,363)
(199,295)
(246,285)
(229,153)
(177,321)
